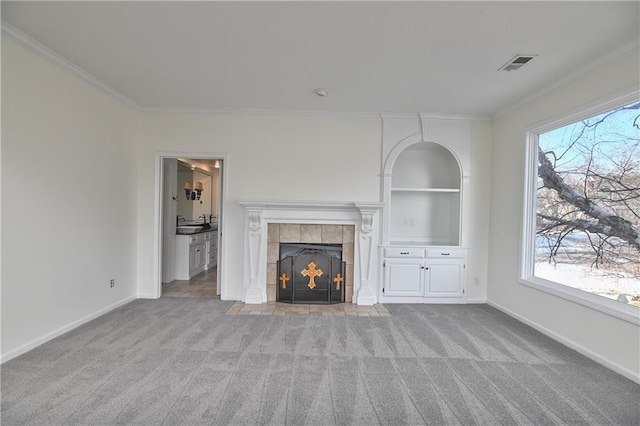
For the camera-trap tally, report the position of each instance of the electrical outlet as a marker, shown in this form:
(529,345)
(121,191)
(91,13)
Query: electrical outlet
(113,282)
(476,281)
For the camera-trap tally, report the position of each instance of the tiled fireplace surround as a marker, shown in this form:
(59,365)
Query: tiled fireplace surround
(267,223)
(312,234)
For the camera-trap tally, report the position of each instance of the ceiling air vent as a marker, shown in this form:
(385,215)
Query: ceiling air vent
(516,62)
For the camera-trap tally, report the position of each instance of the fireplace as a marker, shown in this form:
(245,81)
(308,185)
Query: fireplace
(311,273)
(267,223)
(305,235)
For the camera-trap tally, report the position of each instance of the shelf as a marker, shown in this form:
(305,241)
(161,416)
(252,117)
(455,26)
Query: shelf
(446,190)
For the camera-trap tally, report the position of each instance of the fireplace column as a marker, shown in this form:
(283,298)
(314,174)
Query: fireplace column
(254,252)
(368,241)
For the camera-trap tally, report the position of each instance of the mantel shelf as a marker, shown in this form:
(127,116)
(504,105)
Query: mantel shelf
(425,190)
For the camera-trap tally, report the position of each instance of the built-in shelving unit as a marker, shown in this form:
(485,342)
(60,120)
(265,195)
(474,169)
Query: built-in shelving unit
(423,253)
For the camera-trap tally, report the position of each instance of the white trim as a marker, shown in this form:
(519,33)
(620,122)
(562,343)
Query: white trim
(477,301)
(146,296)
(432,116)
(611,307)
(60,331)
(312,113)
(570,343)
(526,273)
(594,66)
(599,106)
(43,51)
(422,300)
(260,112)
(528,226)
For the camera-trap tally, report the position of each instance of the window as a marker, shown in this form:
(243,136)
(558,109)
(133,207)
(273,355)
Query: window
(582,208)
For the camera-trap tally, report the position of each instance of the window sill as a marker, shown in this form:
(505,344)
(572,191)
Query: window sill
(610,307)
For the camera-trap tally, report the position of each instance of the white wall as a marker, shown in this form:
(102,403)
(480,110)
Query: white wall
(68,200)
(612,341)
(481,137)
(289,157)
(292,157)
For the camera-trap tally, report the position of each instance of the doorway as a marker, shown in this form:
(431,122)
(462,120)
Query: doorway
(190,212)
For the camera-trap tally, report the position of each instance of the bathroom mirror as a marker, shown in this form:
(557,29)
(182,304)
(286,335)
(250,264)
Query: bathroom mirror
(200,196)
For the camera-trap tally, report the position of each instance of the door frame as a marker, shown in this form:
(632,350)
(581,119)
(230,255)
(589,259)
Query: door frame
(159,214)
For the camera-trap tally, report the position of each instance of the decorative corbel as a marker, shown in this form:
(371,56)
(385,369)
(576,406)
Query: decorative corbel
(255,221)
(366,222)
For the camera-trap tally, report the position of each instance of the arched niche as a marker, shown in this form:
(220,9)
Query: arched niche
(423,194)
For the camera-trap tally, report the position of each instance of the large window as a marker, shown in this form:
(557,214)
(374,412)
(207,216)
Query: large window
(582,225)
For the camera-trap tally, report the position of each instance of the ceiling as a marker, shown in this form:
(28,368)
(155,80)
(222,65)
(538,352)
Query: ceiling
(203,165)
(432,57)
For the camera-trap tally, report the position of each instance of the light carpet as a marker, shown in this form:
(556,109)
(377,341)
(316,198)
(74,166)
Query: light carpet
(182,361)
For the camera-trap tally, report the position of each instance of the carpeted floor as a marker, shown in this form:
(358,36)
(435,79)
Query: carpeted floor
(182,361)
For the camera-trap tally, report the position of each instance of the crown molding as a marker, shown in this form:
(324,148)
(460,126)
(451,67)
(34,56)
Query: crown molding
(434,116)
(316,113)
(260,112)
(602,62)
(48,54)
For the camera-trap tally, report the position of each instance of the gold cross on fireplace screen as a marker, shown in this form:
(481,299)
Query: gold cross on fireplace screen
(311,274)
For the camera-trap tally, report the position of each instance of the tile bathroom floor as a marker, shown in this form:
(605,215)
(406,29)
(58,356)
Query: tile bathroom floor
(202,285)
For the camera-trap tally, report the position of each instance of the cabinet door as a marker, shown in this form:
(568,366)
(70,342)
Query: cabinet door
(403,277)
(207,251)
(213,252)
(445,280)
(201,256)
(193,258)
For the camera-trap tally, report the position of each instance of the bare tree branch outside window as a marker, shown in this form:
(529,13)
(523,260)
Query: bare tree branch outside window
(588,205)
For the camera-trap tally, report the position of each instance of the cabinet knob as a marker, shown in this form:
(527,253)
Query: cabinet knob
(404,252)
(445,254)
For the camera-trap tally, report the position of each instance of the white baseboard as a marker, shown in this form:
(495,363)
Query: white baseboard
(39,341)
(573,345)
(147,296)
(481,300)
(234,297)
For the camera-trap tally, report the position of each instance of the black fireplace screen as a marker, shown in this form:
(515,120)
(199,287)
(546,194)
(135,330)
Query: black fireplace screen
(311,273)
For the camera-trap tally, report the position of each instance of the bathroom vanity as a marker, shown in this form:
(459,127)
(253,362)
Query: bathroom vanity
(196,252)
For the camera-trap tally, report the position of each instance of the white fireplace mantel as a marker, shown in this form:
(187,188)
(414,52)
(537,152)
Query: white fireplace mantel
(364,216)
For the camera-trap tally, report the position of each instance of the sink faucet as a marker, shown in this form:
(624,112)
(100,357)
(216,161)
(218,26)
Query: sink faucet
(203,217)
(179,219)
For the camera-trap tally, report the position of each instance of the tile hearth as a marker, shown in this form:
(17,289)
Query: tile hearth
(288,309)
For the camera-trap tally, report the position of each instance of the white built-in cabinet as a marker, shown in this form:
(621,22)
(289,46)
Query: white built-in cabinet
(195,253)
(425,191)
(423,273)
